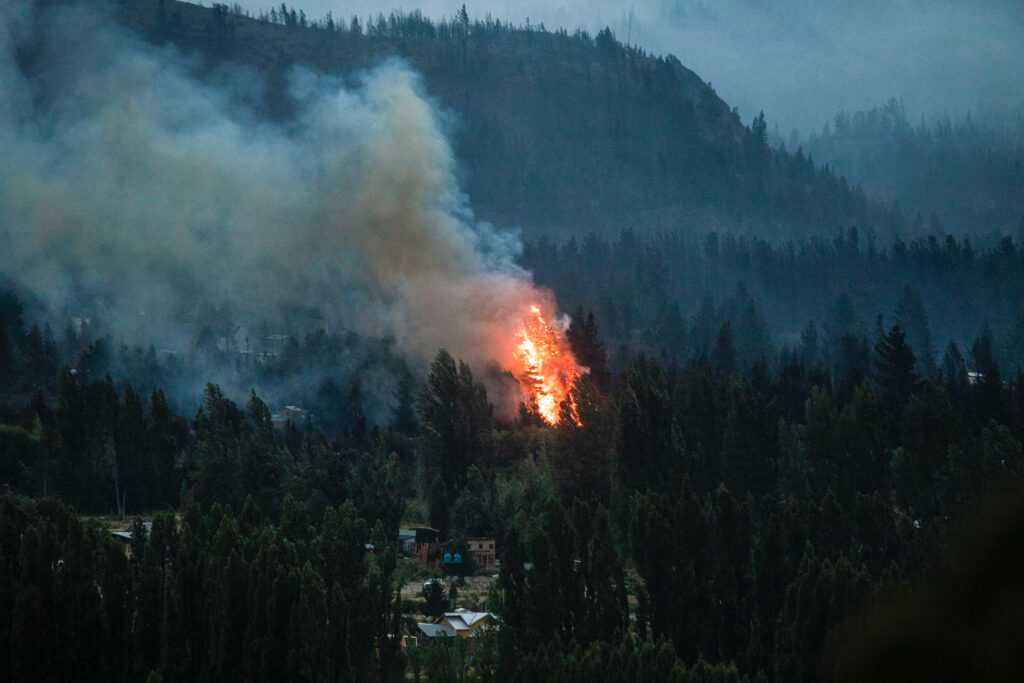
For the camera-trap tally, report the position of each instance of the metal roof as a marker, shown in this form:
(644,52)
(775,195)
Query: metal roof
(127,534)
(434,630)
(461,619)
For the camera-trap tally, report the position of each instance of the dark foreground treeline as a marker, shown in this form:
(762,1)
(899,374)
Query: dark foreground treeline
(694,516)
(203,597)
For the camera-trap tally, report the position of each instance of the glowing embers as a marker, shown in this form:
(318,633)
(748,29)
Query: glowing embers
(547,366)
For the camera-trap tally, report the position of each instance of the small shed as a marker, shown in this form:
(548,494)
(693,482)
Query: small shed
(407,541)
(426,546)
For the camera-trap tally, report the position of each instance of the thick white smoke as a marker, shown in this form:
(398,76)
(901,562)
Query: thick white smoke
(130,185)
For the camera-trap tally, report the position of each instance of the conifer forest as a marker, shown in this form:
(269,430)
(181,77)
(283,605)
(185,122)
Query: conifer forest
(409,347)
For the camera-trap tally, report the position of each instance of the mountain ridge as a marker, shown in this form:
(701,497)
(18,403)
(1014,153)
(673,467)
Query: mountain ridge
(558,134)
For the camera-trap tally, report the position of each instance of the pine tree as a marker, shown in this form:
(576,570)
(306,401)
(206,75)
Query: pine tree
(911,317)
(588,349)
(6,357)
(435,603)
(954,370)
(162,450)
(894,365)
(455,424)
(723,356)
(437,501)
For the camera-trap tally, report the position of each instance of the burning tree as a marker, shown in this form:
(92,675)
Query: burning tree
(547,367)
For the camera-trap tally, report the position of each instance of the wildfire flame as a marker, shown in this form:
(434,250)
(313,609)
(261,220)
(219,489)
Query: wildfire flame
(548,368)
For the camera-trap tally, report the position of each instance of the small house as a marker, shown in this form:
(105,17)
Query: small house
(482,551)
(461,623)
(125,536)
(294,414)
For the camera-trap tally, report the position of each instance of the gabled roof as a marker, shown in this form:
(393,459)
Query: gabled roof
(460,622)
(462,619)
(126,534)
(434,630)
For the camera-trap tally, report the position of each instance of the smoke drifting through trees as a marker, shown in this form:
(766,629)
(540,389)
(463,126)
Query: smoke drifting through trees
(134,192)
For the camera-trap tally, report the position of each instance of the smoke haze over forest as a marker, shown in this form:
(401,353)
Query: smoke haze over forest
(163,203)
(142,193)
(800,61)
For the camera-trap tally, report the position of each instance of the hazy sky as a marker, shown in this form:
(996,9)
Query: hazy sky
(799,60)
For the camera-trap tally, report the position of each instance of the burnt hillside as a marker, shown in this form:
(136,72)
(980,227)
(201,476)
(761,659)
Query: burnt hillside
(558,133)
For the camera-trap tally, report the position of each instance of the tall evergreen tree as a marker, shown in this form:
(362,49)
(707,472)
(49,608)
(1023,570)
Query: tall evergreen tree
(894,365)
(455,424)
(588,349)
(912,319)
(723,355)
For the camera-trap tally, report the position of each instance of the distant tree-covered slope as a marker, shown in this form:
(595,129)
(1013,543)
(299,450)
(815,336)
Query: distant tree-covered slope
(556,132)
(956,176)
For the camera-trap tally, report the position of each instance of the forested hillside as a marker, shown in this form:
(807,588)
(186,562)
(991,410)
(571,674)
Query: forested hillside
(670,295)
(782,413)
(559,133)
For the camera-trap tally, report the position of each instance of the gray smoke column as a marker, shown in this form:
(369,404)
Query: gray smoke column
(128,183)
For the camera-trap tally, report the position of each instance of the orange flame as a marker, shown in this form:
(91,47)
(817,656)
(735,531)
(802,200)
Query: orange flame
(548,368)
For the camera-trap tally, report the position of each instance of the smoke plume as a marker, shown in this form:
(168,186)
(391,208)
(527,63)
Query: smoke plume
(136,192)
